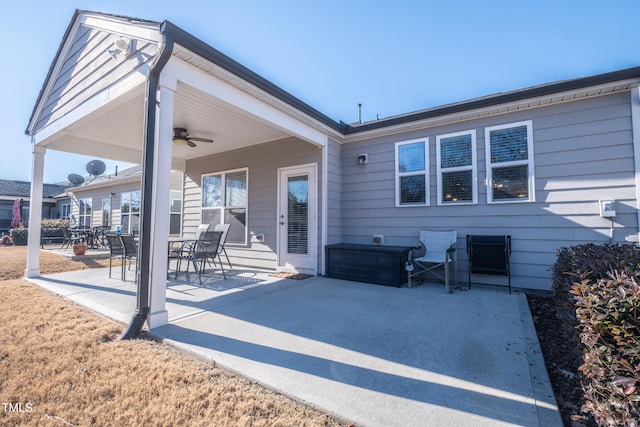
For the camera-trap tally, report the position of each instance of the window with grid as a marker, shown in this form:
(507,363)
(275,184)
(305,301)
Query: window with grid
(412,183)
(64,210)
(456,168)
(106,212)
(224,201)
(130,212)
(510,169)
(84,212)
(175,212)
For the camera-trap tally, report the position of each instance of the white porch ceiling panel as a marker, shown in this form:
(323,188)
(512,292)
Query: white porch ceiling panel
(117,129)
(208,117)
(209,102)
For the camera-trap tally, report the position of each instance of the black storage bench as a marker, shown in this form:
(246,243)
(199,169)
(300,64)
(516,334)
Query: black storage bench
(382,265)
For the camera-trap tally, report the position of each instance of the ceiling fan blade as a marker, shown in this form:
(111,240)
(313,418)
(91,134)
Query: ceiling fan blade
(201,139)
(191,144)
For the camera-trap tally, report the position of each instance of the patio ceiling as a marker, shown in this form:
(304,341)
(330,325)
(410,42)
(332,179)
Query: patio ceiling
(116,131)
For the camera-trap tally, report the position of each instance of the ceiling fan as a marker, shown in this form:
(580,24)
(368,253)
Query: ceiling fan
(181,137)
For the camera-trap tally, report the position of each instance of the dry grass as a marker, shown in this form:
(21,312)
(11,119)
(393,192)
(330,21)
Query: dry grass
(13,261)
(68,366)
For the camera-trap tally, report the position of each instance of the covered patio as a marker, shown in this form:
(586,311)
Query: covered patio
(374,355)
(135,91)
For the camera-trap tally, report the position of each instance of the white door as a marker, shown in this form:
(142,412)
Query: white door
(297,211)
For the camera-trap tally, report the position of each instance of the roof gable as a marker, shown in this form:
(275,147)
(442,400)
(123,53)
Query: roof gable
(83,67)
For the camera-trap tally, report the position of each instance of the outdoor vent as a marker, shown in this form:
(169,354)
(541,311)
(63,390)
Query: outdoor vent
(378,239)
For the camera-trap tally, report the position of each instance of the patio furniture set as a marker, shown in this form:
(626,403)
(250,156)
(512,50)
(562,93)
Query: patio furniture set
(385,265)
(201,250)
(125,248)
(397,265)
(94,237)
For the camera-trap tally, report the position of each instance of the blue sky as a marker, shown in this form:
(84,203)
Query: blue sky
(393,56)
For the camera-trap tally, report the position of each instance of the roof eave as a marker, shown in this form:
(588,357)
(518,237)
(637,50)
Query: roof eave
(500,98)
(197,46)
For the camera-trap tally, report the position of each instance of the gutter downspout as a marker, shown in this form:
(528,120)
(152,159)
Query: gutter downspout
(151,101)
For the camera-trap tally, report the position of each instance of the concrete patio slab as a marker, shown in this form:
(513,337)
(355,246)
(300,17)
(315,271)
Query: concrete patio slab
(374,355)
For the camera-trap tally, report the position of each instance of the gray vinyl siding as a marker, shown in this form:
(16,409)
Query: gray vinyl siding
(88,70)
(114,193)
(583,153)
(97,195)
(262,162)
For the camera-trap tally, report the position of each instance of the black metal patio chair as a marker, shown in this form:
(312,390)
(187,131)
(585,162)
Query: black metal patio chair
(489,255)
(116,251)
(225,231)
(130,254)
(183,252)
(66,238)
(207,248)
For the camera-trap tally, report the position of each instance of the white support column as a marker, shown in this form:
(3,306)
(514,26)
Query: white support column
(158,315)
(635,135)
(35,211)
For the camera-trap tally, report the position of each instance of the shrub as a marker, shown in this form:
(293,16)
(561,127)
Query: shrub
(589,282)
(608,311)
(49,229)
(573,263)
(54,223)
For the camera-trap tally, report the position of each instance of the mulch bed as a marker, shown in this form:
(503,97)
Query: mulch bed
(561,366)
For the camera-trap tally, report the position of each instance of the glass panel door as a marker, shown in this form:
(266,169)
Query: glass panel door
(297,219)
(298,215)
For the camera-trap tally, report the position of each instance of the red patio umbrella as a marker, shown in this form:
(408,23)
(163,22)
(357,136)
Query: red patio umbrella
(17,214)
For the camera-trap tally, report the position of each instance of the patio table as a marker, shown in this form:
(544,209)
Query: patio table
(79,235)
(175,247)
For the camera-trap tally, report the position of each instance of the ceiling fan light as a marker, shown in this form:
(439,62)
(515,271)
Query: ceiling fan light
(180,141)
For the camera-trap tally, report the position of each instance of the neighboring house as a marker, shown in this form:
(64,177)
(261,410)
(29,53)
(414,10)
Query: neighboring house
(533,163)
(114,200)
(10,190)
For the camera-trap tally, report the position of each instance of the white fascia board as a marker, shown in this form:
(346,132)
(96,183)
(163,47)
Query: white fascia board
(494,110)
(94,148)
(113,182)
(142,30)
(64,51)
(149,32)
(92,106)
(212,86)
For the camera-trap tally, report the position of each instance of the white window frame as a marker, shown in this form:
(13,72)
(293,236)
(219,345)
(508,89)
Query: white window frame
(223,198)
(130,214)
(83,216)
(473,168)
(65,210)
(425,172)
(175,195)
(106,208)
(528,162)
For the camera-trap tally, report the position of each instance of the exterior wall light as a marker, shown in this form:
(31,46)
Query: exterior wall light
(120,46)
